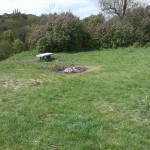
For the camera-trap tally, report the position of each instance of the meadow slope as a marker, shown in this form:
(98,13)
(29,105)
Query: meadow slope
(105,108)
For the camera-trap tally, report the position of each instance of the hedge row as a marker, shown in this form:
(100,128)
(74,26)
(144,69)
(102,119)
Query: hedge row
(65,32)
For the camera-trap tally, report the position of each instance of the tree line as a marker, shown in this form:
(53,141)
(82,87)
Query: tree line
(129,25)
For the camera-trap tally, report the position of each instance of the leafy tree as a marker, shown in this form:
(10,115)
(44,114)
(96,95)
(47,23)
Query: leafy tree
(145,23)
(6,49)
(118,7)
(94,19)
(92,25)
(62,32)
(8,35)
(18,46)
(139,19)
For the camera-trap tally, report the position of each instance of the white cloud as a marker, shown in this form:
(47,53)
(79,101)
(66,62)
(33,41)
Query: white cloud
(80,8)
(87,11)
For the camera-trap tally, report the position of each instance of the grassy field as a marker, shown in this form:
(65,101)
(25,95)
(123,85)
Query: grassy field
(105,108)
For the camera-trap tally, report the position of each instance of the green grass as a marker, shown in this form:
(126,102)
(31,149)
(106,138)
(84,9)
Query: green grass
(105,108)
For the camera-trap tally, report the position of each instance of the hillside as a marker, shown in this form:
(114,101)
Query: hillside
(105,107)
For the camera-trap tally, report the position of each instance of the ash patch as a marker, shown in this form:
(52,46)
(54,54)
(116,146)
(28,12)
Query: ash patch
(69,70)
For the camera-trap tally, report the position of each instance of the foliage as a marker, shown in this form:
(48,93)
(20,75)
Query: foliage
(111,33)
(18,46)
(66,32)
(91,25)
(135,16)
(138,18)
(145,27)
(62,32)
(6,49)
(147,44)
(118,7)
(8,35)
(94,19)
(134,28)
(122,35)
(18,23)
(136,44)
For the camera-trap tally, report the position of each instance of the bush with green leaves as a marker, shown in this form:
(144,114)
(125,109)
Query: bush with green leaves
(136,44)
(62,32)
(145,27)
(94,19)
(111,33)
(148,45)
(134,16)
(18,46)
(139,18)
(8,35)
(92,25)
(123,34)
(134,28)
(6,49)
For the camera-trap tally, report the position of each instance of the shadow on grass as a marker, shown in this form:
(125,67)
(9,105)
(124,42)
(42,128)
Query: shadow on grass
(33,60)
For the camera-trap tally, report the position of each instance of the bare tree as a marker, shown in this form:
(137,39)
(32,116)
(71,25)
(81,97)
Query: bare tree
(118,7)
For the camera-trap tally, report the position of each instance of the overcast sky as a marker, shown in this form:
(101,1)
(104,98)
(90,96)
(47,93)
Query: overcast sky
(81,8)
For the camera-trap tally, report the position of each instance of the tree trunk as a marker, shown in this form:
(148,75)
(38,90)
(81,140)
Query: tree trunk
(124,9)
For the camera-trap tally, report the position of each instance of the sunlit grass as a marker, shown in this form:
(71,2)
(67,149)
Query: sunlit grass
(106,107)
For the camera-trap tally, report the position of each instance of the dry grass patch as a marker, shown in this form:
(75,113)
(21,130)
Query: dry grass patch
(17,84)
(94,68)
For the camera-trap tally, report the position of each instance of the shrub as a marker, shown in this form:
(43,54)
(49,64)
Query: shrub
(104,34)
(94,19)
(62,32)
(18,46)
(122,34)
(138,18)
(136,44)
(147,44)
(145,27)
(135,16)
(92,26)
(5,50)
(8,35)
(111,33)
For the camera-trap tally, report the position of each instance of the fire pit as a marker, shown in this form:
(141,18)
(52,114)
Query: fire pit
(71,69)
